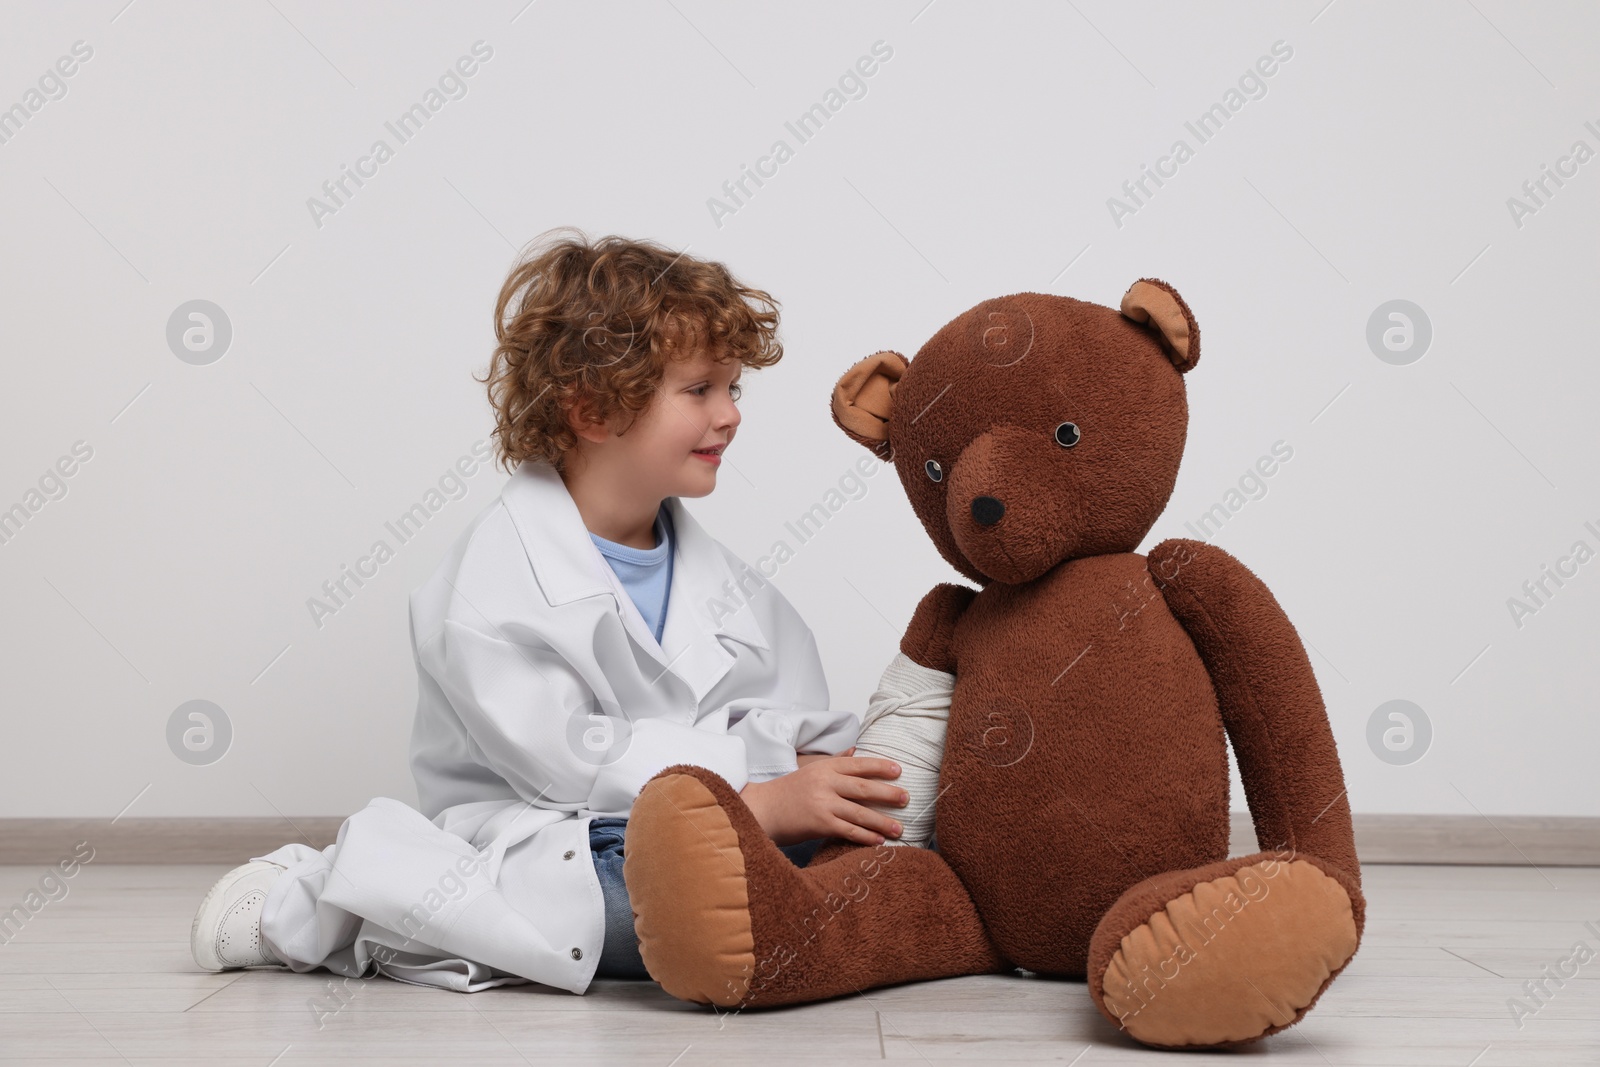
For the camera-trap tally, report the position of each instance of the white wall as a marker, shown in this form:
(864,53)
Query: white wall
(219,497)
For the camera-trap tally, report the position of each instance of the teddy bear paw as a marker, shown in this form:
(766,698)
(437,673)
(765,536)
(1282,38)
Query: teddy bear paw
(725,918)
(1224,954)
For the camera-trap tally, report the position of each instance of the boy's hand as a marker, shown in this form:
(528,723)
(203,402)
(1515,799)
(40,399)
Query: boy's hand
(820,799)
(812,757)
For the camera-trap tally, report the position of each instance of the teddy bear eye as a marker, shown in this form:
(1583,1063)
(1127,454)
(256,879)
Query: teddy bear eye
(1067,434)
(935,471)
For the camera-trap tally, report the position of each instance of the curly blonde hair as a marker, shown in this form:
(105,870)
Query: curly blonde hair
(598,321)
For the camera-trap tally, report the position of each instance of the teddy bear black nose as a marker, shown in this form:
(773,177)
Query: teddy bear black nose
(986,510)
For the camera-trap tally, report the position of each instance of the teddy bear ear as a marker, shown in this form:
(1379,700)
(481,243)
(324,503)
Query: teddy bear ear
(863,398)
(1153,302)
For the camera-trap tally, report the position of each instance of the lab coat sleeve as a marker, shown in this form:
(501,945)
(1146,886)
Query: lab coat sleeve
(537,724)
(659,743)
(775,730)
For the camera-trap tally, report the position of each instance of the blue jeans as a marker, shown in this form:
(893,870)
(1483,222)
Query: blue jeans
(619,958)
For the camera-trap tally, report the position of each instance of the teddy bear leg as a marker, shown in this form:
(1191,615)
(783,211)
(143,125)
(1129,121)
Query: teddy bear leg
(725,918)
(1226,953)
(833,848)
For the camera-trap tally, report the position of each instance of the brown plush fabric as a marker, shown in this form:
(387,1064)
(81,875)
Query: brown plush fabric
(832,848)
(983,397)
(867,917)
(1084,789)
(1084,753)
(1269,700)
(930,637)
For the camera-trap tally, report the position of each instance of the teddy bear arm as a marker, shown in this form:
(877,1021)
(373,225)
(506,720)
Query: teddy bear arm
(929,640)
(1268,698)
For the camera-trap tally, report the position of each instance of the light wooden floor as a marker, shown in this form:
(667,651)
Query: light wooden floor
(103,976)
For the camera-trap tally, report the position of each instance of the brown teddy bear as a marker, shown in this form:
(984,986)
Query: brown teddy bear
(1082,816)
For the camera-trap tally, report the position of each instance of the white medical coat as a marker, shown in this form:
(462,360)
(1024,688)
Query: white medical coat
(544,701)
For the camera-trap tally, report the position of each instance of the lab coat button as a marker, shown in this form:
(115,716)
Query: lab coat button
(568,854)
(577,953)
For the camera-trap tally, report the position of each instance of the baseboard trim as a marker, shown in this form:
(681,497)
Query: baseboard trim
(1492,840)
(186,840)
(1498,840)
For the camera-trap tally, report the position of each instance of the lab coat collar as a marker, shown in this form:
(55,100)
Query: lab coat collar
(569,567)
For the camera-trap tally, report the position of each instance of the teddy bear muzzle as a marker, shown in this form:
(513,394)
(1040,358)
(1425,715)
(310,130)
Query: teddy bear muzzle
(1010,509)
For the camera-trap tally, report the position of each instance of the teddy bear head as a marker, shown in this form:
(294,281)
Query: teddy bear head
(1033,429)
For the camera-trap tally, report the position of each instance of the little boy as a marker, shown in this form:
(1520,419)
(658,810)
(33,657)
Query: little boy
(576,639)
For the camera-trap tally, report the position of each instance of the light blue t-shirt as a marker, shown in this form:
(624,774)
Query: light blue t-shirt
(646,573)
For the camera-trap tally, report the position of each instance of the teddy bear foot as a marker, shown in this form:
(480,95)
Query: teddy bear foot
(725,918)
(1223,954)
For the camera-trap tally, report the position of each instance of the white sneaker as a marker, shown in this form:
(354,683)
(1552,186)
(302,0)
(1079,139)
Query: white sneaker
(227,929)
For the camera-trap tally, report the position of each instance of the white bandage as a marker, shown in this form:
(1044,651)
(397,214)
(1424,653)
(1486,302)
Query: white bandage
(906,722)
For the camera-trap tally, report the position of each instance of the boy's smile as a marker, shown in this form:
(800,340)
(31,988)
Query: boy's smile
(618,478)
(694,410)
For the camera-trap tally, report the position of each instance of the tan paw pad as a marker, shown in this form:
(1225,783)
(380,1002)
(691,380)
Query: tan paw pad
(686,879)
(1232,958)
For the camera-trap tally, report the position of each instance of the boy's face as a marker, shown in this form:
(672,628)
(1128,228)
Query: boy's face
(693,410)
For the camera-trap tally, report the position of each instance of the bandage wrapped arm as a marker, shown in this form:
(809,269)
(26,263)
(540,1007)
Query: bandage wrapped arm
(906,721)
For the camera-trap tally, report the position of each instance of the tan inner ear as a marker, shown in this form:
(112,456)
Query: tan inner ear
(864,395)
(1152,304)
